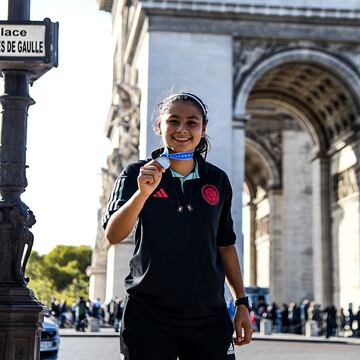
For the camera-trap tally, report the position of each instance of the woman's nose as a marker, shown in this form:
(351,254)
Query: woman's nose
(181,127)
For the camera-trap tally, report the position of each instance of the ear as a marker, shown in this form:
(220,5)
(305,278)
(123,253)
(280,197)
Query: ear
(203,132)
(158,129)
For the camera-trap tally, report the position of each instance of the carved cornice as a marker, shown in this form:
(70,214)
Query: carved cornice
(233,8)
(253,10)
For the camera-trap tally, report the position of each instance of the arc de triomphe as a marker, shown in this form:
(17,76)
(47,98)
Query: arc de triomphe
(282,82)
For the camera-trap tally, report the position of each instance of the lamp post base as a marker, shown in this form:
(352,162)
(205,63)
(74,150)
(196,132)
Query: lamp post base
(20,323)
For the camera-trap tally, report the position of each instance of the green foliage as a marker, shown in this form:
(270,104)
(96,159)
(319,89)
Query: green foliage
(60,273)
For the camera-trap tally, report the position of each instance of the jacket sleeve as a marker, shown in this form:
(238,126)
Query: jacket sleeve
(124,187)
(226,235)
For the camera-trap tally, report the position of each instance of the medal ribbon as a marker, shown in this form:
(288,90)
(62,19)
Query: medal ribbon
(187,155)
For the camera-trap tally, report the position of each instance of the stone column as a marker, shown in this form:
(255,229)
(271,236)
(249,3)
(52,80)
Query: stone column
(237,179)
(118,258)
(253,273)
(97,275)
(275,196)
(322,255)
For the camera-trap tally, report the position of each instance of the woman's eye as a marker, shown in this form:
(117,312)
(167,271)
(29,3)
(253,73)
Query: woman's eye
(192,123)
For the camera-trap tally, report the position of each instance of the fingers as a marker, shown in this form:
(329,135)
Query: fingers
(243,329)
(150,174)
(239,333)
(149,177)
(243,337)
(156,164)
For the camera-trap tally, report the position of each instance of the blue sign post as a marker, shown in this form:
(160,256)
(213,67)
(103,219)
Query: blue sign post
(28,49)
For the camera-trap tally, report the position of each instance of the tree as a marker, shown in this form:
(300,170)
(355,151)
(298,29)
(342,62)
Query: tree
(60,273)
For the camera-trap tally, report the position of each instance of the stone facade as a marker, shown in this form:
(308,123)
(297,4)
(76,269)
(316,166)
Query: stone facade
(282,82)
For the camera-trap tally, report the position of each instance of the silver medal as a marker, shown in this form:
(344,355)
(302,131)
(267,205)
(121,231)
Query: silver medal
(163,161)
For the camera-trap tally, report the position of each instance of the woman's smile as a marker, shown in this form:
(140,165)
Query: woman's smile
(181,139)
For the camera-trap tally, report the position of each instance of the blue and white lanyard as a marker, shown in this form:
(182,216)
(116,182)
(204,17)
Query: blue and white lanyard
(187,155)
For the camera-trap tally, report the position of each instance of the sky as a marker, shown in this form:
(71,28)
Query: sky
(66,143)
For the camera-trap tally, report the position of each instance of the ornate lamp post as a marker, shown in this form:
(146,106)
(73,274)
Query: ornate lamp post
(27,50)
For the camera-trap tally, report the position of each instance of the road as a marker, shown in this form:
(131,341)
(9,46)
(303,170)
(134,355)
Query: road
(95,348)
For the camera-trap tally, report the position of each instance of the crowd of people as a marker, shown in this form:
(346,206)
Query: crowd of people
(78,314)
(287,318)
(323,321)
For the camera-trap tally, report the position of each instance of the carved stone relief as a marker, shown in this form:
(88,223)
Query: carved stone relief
(345,183)
(262,226)
(125,124)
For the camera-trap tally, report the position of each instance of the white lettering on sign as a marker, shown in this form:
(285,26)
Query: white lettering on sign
(22,40)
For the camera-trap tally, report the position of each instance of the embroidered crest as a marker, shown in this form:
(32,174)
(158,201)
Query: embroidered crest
(210,194)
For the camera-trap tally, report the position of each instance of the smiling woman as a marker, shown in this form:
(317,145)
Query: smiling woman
(184,245)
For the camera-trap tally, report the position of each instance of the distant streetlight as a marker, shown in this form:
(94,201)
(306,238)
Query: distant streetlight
(27,50)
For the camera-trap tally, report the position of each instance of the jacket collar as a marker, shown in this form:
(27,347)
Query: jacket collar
(200,160)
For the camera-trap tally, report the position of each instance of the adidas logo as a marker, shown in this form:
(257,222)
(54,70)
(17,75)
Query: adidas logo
(231,349)
(160,194)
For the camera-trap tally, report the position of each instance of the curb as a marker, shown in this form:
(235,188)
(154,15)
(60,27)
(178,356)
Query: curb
(90,335)
(73,333)
(337,341)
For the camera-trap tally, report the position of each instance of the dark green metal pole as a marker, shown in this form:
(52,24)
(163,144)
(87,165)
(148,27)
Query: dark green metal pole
(20,312)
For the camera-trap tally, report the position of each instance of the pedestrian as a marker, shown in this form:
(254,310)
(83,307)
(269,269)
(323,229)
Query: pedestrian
(340,322)
(81,311)
(351,316)
(184,245)
(95,308)
(63,313)
(118,312)
(304,306)
(294,319)
(357,318)
(110,311)
(285,318)
(55,308)
(330,320)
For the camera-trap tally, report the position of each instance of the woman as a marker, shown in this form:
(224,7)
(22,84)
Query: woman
(184,245)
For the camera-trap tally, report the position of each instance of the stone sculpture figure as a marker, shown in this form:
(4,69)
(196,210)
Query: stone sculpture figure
(21,219)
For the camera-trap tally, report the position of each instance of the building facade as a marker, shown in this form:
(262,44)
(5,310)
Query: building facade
(282,82)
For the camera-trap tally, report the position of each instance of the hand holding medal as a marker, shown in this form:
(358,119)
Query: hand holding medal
(149,177)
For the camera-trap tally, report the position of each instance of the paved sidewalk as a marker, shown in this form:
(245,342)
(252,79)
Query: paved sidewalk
(109,332)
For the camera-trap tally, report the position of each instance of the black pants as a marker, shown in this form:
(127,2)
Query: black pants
(145,338)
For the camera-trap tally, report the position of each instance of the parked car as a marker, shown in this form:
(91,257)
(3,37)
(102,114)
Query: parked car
(50,338)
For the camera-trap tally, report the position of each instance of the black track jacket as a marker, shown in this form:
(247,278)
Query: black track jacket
(176,270)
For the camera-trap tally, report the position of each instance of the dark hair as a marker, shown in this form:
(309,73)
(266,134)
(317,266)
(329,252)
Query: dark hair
(204,145)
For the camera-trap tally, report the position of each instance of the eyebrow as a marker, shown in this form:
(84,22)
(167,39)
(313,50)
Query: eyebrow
(191,117)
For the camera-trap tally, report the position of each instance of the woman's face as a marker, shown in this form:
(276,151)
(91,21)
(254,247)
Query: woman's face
(181,126)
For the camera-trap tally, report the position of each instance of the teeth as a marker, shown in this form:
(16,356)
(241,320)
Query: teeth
(181,139)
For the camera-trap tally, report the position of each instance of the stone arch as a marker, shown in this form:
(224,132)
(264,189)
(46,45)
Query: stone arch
(338,71)
(267,161)
(319,90)
(302,117)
